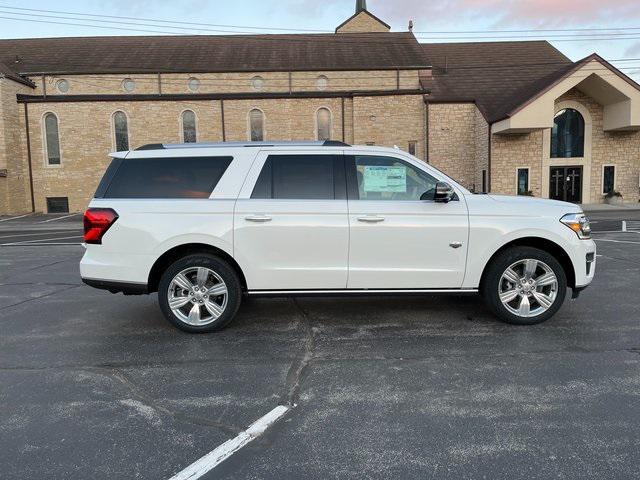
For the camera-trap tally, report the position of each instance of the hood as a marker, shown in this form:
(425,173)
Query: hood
(518,206)
(524,201)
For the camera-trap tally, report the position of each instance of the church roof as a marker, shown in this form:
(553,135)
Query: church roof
(497,76)
(207,53)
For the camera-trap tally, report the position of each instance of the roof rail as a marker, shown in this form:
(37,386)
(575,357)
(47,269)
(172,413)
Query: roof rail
(151,146)
(166,146)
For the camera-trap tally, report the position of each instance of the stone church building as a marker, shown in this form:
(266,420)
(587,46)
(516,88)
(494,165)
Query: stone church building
(503,117)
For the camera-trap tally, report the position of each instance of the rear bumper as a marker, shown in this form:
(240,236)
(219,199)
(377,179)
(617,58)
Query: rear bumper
(118,287)
(101,264)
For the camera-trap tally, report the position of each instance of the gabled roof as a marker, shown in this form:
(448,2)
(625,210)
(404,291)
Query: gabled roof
(226,53)
(548,82)
(497,76)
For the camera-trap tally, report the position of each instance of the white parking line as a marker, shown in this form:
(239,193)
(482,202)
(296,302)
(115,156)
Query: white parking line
(32,242)
(38,244)
(228,448)
(14,218)
(59,218)
(29,234)
(614,241)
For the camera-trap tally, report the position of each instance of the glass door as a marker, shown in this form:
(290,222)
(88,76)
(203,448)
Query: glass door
(565,183)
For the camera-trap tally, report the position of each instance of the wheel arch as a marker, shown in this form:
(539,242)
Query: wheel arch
(180,251)
(542,244)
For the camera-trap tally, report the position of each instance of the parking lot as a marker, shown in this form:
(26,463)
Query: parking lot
(94,385)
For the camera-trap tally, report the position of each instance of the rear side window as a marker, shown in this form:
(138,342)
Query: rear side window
(192,177)
(301,177)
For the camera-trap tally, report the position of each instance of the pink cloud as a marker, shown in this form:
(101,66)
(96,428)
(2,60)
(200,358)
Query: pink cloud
(539,13)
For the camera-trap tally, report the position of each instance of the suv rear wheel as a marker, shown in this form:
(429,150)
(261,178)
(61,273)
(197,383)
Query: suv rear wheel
(199,293)
(524,286)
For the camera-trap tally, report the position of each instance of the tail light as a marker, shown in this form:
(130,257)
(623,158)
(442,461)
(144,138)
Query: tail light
(96,223)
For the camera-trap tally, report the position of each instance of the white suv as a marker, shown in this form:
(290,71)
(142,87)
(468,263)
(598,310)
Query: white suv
(203,224)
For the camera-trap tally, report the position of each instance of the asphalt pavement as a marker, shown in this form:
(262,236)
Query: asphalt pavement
(94,385)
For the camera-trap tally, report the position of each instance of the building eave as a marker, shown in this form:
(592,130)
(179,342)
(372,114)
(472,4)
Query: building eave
(18,79)
(22,98)
(202,72)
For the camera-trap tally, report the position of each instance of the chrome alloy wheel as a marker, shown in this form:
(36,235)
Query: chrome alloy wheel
(528,288)
(197,296)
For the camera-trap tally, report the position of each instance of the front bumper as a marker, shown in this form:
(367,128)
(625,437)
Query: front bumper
(583,257)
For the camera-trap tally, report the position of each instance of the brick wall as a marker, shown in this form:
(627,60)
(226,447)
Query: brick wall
(455,141)
(481,150)
(86,139)
(509,152)
(233,82)
(390,121)
(292,119)
(86,135)
(14,196)
(458,137)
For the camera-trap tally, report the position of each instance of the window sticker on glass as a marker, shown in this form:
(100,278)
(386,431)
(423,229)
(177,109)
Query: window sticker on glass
(385,179)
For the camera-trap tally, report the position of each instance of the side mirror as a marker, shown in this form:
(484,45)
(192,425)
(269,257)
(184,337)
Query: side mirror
(444,193)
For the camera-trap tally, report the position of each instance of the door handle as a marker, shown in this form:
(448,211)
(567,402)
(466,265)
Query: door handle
(258,218)
(371,219)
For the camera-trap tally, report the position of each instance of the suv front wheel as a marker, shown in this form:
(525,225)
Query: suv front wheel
(199,293)
(524,286)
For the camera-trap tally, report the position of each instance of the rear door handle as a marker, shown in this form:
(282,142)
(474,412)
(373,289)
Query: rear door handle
(258,218)
(371,219)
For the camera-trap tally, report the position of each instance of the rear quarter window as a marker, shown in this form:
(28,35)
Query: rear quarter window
(192,177)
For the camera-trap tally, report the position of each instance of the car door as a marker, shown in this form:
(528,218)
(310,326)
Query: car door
(291,229)
(399,237)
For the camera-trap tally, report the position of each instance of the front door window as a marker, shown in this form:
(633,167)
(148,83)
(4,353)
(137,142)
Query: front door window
(388,179)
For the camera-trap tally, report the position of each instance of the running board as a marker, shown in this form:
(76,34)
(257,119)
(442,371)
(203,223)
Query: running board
(366,291)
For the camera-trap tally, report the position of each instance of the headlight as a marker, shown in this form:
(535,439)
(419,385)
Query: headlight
(579,223)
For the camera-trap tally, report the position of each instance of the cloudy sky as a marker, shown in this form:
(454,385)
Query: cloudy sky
(578,28)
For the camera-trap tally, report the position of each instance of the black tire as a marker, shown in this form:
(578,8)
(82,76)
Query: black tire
(492,278)
(220,268)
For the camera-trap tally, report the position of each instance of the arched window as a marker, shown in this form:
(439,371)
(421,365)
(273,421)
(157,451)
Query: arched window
(121,131)
(189,134)
(256,125)
(567,134)
(52,139)
(323,124)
